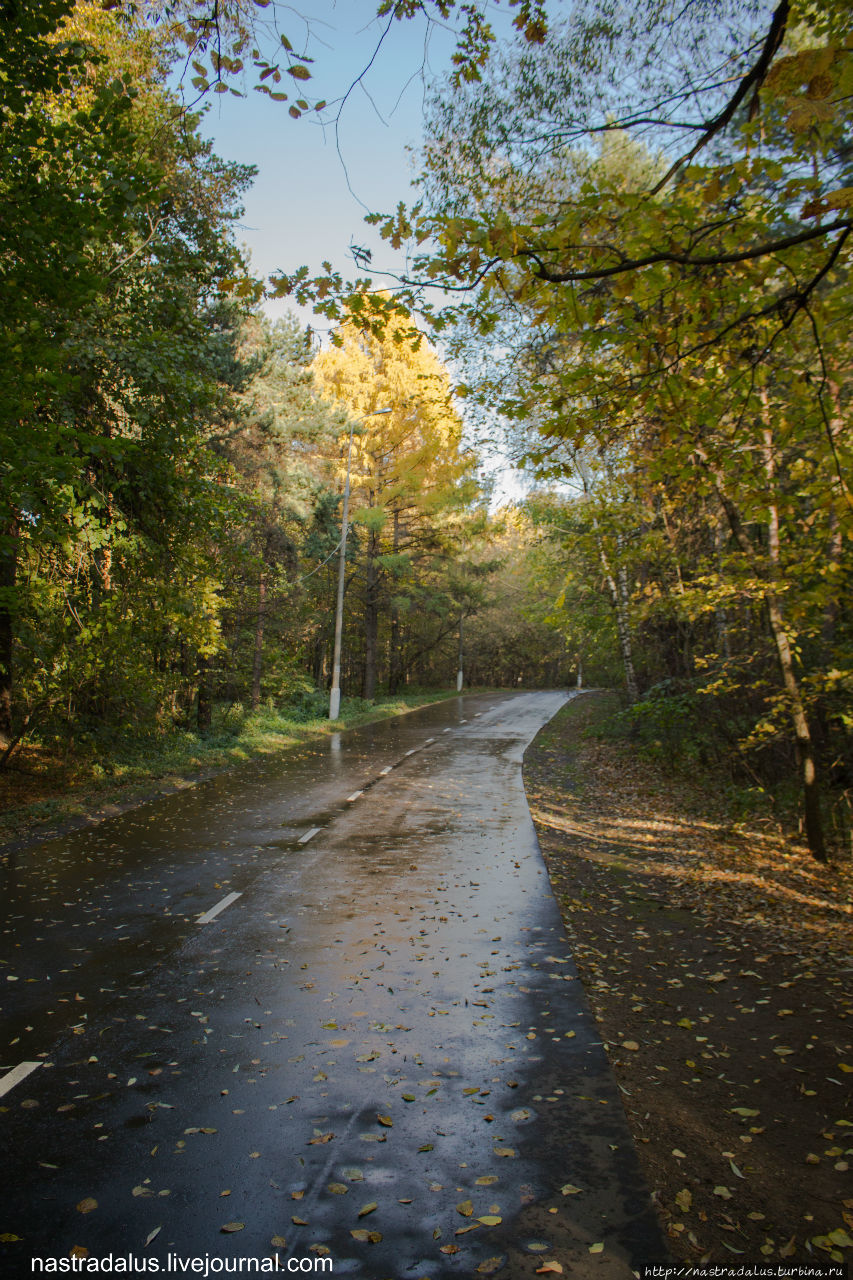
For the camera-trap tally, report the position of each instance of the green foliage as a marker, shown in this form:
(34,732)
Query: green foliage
(670,724)
(666,332)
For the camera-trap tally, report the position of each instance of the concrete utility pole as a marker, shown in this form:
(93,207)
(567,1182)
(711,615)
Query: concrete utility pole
(335,693)
(459,674)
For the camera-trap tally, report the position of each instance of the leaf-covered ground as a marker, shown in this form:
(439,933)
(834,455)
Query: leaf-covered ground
(717,960)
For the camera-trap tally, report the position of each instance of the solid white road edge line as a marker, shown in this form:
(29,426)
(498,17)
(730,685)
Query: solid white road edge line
(220,906)
(16,1075)
(309,835)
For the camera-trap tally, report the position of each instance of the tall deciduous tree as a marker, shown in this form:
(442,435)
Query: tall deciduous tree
(684,312)
(412,480)
(119,350)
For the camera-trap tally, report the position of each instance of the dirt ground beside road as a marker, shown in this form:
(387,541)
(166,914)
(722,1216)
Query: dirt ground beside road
(717,959)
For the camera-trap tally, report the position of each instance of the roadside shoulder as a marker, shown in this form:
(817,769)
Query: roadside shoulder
(717,963)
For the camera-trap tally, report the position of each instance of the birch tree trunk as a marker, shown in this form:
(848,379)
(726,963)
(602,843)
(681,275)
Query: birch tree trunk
(804,744)
(619,596)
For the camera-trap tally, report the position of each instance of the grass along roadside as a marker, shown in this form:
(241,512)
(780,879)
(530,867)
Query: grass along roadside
(43,793)
(716,957)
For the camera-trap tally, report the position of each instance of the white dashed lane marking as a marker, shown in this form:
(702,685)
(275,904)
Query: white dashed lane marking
(220,906)
(309,835)
(354,796)
(16,1075)
(387,769)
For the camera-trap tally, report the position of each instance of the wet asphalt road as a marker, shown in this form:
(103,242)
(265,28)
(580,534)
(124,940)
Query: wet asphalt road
(387,1015)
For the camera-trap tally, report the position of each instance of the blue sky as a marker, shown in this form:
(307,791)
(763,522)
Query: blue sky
(307,202)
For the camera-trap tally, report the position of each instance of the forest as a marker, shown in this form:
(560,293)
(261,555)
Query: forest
(629,263)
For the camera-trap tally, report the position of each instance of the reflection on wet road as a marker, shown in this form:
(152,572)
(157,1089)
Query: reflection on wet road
(324,1002)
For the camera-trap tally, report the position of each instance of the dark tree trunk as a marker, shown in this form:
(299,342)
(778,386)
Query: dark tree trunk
(395,650)
(371,620)
(204,711)
(395,664)
(257,657)
(318,662)
(8,579)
